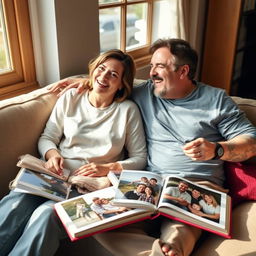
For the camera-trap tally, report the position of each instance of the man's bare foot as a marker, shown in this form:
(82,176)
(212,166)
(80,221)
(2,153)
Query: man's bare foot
(167,250)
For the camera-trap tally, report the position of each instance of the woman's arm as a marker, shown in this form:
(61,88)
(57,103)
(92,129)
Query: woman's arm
(135,142)
(215,216)
(51,137)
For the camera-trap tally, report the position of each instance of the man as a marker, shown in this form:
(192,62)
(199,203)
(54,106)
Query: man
(98,207)
(178,195)
(195,196)
(135,194)
(191,128)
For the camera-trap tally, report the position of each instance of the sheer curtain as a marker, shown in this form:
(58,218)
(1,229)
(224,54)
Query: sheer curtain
(191,24)
(183,19)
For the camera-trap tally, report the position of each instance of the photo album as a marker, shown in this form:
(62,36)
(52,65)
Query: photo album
(139,195)
(175,198)
(94,212)
(35,179)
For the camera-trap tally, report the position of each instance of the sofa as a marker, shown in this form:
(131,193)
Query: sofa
(22,119)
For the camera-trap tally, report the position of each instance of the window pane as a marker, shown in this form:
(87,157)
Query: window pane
(4,49)
(136,25)
(108,1)
(110,28)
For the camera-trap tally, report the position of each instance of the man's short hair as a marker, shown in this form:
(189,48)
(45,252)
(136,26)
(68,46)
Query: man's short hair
(184,54)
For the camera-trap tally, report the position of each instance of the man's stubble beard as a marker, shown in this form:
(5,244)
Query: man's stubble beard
(161,93)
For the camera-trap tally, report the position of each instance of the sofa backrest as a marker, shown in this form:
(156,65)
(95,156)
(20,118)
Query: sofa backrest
(22,120)
(248,106)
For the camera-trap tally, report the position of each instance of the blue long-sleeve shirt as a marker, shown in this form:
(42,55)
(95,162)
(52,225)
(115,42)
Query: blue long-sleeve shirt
(207,112)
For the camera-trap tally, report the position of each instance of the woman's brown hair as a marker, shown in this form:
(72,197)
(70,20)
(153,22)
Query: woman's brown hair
(128,73)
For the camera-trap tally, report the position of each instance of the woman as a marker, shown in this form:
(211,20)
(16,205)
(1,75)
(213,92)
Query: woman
(86,133)
(210,209)
(148,196)
(96,124)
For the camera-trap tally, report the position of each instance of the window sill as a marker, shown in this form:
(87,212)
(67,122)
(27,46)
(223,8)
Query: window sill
(17,89)
(142,61)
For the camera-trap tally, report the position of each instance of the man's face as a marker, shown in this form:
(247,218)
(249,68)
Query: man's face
(163,73)
(153,182)
(183,187)
(141,188)
(97,201)
(195,193)
(196,207)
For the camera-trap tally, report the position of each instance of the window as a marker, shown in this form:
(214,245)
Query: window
(17,69)
(132,25)
(130,29)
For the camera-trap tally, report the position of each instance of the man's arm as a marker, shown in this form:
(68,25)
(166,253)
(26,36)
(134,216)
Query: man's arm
(81,83)
(240,148)
(179,200)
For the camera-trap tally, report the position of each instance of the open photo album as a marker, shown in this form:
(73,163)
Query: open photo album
(140,195)
(175,198)
(94,212)
(35,179)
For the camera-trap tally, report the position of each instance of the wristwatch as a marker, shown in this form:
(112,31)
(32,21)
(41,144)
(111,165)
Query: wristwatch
(219,151)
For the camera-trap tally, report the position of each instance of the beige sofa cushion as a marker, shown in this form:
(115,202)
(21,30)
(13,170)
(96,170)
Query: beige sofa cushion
(22,120)
(243,240)
(248,106)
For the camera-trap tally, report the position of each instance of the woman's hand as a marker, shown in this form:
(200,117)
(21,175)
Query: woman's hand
(63,85)
(97,170)
(55,161)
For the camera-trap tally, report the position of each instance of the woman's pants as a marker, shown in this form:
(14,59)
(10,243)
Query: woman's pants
(28,226)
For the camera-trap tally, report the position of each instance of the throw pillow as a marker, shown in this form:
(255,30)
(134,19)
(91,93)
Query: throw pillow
(241,181)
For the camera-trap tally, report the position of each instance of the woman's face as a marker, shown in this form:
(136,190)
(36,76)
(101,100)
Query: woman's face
(148,191)
(208,199)
(107,77)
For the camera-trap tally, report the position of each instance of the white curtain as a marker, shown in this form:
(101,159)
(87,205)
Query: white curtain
(182,18)
(191,24)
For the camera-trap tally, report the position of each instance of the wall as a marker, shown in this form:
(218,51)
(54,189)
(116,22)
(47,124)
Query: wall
(65,36)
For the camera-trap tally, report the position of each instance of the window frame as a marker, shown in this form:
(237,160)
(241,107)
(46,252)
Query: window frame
(22,78)
(141,54)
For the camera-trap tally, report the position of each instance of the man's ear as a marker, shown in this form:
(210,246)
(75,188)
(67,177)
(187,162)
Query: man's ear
(184,70)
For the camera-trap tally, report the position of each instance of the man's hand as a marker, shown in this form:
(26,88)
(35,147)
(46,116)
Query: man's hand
(63,85)
(182,202)
(237,149)
(199,149)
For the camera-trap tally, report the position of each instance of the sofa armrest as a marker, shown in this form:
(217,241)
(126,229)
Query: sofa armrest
(248,106)
(22,119)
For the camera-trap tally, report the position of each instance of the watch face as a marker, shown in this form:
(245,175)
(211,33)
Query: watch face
(220,151)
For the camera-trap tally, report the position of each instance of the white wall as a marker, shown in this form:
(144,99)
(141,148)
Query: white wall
(65,37)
